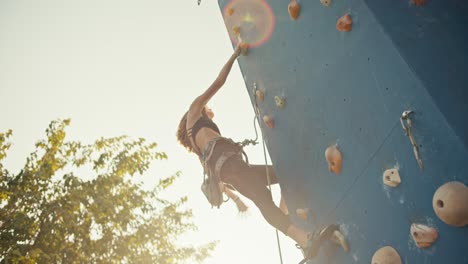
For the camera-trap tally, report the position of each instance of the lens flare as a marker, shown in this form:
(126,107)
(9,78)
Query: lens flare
(252,21)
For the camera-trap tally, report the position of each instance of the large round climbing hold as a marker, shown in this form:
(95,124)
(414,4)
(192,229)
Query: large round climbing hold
(450,203)
(294,9)
(386,255)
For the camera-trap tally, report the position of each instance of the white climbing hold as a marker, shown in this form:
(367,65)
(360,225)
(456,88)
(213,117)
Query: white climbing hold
(339,239)
(391,178)
(424,236)
(334,159)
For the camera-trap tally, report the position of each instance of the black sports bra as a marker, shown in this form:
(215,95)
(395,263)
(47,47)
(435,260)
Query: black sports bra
(203,121)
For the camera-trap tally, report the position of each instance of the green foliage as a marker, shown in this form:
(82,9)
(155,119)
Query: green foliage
(50,214)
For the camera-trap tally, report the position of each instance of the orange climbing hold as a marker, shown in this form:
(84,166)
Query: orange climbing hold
(334,159)
(424,236)
(294,9)
(268,121)
(230,11)
(345,23)
(236,30)
(450,203)
(302,213)
(418,2)
(260,95)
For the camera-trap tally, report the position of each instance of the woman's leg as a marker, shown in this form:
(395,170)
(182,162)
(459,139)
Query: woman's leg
(248,181)
(261,172)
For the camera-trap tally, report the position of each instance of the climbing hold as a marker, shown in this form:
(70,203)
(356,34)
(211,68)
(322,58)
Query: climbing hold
(268,121)
(450,203)
(236,30)
(260,95)
(280,102)
(345,23)
(424,236)
(386,255)
(294,9)
(302,213)
(230,11)
(391,178)
(244,48)
(325,2)
(334,159)
(339,239)
(418,2)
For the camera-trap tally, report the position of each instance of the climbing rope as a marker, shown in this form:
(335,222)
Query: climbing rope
(368,164)
(256,118)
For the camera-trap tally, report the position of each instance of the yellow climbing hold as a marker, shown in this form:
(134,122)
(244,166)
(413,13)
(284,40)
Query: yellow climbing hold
(325,2)
(280,102)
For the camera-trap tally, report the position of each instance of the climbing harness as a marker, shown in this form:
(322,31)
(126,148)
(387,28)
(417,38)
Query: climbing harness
(212,186)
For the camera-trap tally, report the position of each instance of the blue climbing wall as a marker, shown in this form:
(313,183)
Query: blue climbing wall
(351,88)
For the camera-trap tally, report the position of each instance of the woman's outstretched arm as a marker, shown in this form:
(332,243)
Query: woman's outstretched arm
(200,102)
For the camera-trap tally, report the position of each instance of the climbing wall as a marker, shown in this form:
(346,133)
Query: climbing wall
(382,85)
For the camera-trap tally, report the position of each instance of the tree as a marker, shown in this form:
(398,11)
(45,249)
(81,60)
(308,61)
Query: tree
(49,214)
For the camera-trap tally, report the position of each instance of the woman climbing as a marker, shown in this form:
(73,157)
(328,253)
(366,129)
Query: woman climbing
(223,163)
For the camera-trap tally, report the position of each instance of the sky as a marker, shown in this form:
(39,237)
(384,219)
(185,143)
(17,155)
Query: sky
(132,68)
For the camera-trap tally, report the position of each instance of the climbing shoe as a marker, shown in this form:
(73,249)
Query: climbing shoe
(315,241)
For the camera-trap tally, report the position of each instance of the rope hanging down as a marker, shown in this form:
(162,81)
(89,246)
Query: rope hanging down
(256,118)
